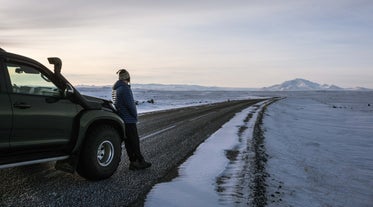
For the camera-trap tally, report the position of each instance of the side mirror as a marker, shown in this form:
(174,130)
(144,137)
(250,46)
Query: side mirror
(57,64)
(69,90)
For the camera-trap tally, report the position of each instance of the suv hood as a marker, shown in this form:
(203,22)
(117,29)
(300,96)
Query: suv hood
(98,103)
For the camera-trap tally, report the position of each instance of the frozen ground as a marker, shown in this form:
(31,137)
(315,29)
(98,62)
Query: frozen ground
(320,149)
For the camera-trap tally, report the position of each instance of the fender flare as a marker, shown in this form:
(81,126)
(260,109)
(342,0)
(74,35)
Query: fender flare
(91,118)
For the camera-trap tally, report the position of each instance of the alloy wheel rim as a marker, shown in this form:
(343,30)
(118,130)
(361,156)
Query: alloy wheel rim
(105,153)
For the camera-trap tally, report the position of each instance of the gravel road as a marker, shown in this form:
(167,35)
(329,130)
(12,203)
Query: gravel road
(167,139)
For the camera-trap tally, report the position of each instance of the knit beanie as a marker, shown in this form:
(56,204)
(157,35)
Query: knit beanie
(123,74)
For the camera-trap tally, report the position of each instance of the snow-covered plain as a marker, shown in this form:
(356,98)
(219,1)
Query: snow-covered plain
(320,150)
(319,146)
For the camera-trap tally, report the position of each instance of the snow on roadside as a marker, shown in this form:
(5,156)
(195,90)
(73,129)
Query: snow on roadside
(319,154)
(210,176)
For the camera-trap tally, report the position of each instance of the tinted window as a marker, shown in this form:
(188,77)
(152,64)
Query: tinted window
(28,80)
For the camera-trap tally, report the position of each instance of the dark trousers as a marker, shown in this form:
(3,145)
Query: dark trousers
(132,143)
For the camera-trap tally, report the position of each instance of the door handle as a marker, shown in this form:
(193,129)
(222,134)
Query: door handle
(22,105)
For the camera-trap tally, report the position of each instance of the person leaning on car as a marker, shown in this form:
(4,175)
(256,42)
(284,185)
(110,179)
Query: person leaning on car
(125,104)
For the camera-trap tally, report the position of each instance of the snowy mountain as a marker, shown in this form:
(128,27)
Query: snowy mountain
(301,85)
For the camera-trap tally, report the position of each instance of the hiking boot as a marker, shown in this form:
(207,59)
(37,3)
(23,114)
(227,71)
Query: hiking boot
(139,165)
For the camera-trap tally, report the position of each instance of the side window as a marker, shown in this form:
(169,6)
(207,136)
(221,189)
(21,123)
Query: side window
(28,80)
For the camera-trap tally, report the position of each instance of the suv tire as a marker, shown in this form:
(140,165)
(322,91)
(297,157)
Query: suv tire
(100,154)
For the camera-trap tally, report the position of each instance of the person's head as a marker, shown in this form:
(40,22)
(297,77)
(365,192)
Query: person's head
(124,75)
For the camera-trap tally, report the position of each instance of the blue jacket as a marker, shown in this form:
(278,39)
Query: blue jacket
(124,102)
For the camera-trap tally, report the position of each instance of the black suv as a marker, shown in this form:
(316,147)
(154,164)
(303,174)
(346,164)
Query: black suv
(44,118)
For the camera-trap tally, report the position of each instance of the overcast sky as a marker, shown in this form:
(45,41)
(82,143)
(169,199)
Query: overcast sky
(213,43)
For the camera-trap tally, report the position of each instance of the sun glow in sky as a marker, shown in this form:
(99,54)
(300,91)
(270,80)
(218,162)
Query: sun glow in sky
(251,43)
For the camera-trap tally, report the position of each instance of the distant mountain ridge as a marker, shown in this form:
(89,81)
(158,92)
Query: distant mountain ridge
(298,84)
(174,87)
(301,85)
(168,87)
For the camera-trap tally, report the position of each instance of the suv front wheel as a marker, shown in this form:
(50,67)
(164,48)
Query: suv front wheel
(100,154)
